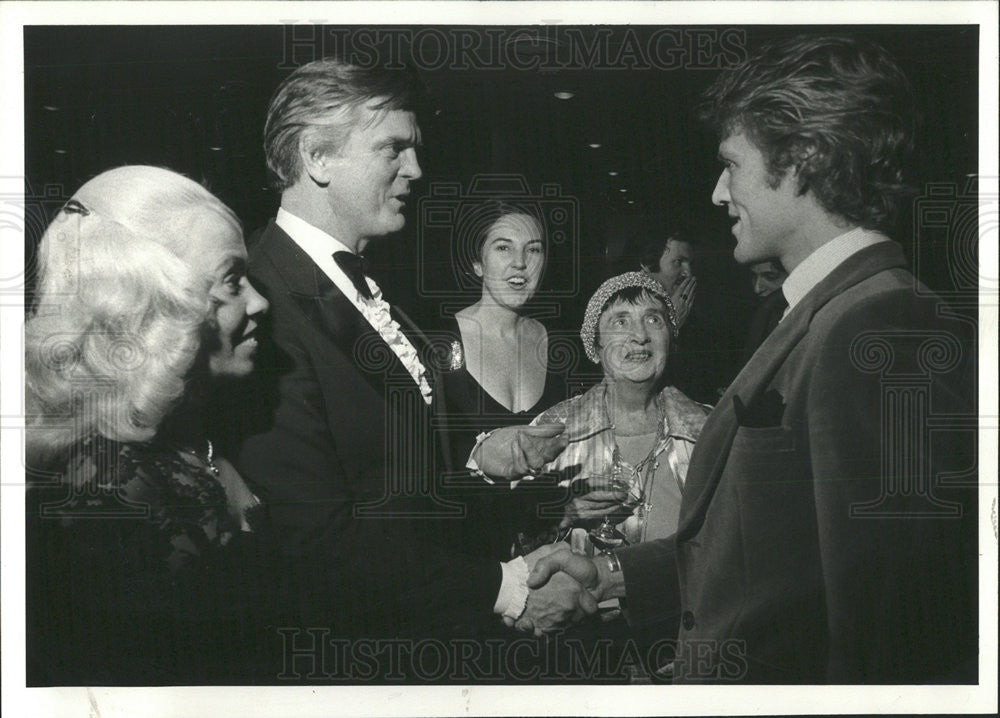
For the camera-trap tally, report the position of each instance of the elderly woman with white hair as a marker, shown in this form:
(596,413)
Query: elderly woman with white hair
(628,440)
(143,304)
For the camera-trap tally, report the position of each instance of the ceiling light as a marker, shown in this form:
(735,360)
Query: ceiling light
(59,152)
(623,190)
(564,95)
(594,145)
(215,148)
(613,173)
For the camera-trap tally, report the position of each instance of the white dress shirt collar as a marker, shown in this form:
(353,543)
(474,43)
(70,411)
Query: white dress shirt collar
(320,247)
(818,265)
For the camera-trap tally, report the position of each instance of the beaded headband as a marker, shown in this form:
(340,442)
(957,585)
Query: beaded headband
(640,280)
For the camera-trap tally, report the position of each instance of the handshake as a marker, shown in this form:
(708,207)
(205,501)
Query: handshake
(564,587)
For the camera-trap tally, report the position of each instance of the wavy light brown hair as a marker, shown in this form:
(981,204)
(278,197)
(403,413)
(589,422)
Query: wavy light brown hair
(838,110)
(319,102)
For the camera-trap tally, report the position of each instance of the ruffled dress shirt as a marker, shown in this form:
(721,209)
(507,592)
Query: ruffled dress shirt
(321,247)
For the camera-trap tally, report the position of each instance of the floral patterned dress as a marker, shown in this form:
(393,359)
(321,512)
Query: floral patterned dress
(137,572)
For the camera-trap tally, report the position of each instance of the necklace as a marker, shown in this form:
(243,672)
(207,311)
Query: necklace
(642,485)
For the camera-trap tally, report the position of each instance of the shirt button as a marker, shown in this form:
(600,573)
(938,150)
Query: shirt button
(687,620)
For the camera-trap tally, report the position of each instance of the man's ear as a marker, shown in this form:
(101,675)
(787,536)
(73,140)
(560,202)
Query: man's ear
(316,159)
(477,267)
(804,156)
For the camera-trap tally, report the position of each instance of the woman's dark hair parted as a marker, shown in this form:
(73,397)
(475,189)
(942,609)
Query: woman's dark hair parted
(475,224)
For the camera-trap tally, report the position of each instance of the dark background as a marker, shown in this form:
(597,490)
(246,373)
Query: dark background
(194,99)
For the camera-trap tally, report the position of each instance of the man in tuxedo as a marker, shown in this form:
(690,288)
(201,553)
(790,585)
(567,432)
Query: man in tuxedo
(343,451)
(827,533)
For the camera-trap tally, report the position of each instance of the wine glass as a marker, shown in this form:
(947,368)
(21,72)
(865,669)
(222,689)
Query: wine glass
(606,537)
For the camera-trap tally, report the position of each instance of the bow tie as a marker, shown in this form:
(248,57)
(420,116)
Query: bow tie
(353,266)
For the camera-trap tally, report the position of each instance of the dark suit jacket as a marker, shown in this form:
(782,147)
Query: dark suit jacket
(341,452)
(764,320)
(795,560)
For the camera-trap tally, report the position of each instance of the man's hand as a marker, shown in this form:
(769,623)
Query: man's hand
(581,568)
(559,580)
(561,600)
(683,299)
(544,550)
(517,451)
(595,574)
(556,604)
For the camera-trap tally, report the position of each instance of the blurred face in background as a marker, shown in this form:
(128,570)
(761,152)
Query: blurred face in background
(675,265)
(767,278)
(512,260)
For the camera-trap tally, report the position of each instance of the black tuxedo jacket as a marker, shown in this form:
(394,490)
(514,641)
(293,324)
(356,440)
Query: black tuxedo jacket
(340,447)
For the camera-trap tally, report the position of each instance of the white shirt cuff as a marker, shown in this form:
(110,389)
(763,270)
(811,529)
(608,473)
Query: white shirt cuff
(471,464)
(513,589)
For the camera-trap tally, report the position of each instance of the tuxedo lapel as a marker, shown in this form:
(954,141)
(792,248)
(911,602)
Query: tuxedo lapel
(411,330)
(713,447)
(421,343)
(330,312)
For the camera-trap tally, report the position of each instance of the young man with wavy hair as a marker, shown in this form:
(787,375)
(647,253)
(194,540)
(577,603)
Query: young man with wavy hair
(817,542)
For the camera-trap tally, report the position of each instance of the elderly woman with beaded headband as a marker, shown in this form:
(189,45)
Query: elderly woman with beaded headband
(143,304)
(628,439)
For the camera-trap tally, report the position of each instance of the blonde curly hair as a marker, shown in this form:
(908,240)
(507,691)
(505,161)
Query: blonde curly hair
(123,297)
